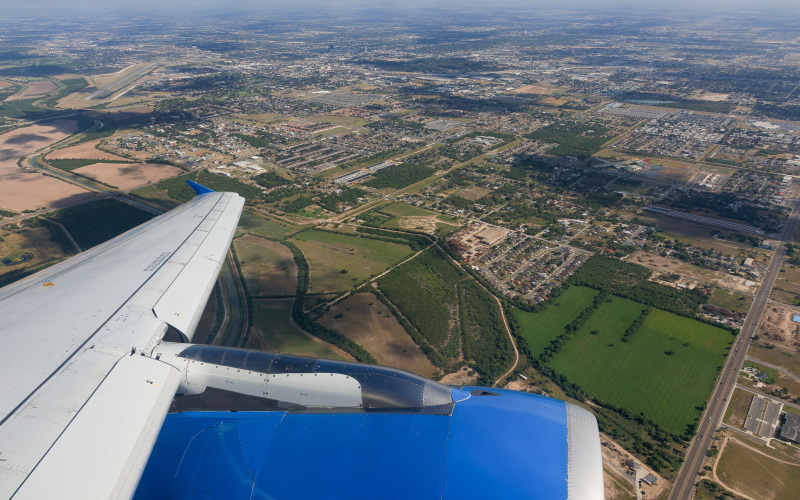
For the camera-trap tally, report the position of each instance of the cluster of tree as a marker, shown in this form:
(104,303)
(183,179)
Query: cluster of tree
(457,202)
(256,142)
(578,139)
(633,327)
(400,176)
(93,223)
(348,196)
(724,204)
(437,359)
(483,331)
(416,241)
(297,204)
(423,289)
(270,179)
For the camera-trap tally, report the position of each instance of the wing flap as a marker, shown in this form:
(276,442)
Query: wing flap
(103,451)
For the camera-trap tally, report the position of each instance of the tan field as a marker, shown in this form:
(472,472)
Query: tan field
(533,89)
(30,191)
(27,140)
(86,150)
(363,318)
(267,266)
(35,89)
(128,175)
(8,166)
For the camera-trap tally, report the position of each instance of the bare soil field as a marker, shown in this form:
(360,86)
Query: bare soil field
(128,175)
(363,318)
(614,467)
(667,265)
(35,89)
(267,266)
(26,140)
(8,166)
(29,191)
(474,193)
(461,377)
(87,150)
(777,326)
(427,224)
(533,89)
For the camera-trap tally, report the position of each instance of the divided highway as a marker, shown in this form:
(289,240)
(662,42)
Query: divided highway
(712,418)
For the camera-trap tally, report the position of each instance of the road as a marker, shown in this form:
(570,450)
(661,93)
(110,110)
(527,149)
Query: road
(712,418)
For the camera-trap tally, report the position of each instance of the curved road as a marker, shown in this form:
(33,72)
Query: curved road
(712,418)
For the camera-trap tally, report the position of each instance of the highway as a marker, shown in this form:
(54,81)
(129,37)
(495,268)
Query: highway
(712,418)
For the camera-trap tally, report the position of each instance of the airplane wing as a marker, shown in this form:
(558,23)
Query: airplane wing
(88,381)
(81,405)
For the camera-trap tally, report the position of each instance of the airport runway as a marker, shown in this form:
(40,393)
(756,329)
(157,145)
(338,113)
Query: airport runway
(712,418)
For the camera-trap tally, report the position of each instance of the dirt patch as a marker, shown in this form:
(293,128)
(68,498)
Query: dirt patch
(532,89)
(623,465)
(419,223)
(30,191)
(87,150)
(779,328)
(35,89)
(128,175)
(474,193)
(667,265)
(27,140)
(268,267)
(461,377)
(363,318)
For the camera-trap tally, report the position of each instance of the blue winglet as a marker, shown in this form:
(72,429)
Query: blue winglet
(199,188)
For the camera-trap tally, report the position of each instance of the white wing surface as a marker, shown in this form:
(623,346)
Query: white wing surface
(80,407)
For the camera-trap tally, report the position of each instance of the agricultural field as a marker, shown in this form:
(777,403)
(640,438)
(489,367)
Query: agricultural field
(267,266)
(754,470)
(254,224)
(337,262)
(272,319)
(32,191)
(364,319)
(128,175)
(540,328)
(26,140)
(686,353)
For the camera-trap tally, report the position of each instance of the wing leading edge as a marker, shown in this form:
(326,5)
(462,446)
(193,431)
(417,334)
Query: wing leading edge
(81,407)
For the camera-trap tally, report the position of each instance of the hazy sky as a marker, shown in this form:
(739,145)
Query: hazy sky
(160,6)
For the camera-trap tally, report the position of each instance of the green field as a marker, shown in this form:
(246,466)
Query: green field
(542,327)
(665,371)
(261,226)
(156,196)
(405,210)
(730,300)
(272,318)
(265,271)
(329,254)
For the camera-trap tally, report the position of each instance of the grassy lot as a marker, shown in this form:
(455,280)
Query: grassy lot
(684,353)
(542,327)
(261,226)
(403,209)
(789,279)
(776,357)
(338,261)
(40,245)
(268,267)
(730,300)
(738,407)
(757,475)
(272,319)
